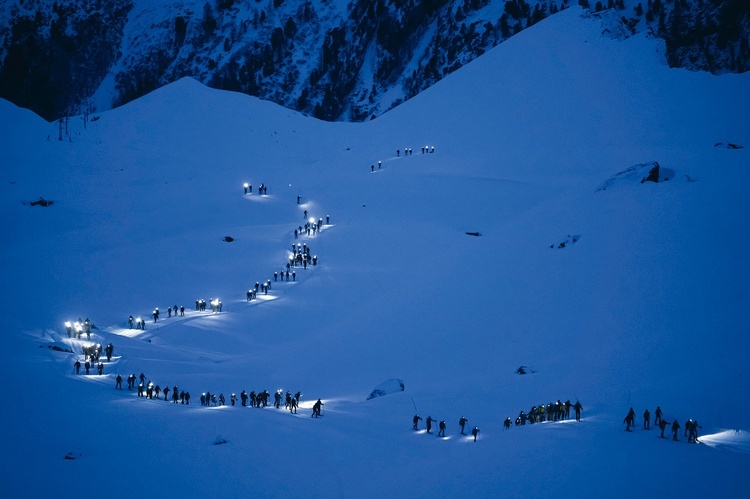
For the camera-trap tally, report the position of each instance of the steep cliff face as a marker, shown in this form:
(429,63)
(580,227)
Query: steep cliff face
(332,59)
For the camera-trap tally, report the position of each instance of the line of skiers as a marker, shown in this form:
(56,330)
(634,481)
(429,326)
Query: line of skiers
(441,426)
(147,389)
(408,151)
(690,429)
(557,411)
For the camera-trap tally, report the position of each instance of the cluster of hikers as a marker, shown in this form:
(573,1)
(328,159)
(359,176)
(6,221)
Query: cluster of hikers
(690,429)
(441,426)
(149,390)
(554,411)
(262,190)
(299,257)
(79,328)
(311,227)
(91,357)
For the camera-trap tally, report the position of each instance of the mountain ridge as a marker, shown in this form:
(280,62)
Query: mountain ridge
(333,60)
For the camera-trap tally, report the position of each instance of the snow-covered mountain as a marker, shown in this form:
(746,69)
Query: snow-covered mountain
(533,236)
(333,59)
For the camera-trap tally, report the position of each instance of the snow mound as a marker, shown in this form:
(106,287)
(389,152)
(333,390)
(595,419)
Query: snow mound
(387,387)
(641,173)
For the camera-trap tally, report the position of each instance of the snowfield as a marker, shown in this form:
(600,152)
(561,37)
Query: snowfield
(647,308)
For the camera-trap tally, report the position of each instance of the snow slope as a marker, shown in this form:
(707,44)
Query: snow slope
(647,308)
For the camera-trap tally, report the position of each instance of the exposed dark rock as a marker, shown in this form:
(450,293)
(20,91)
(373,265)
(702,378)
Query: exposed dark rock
(41,202)
(392,385)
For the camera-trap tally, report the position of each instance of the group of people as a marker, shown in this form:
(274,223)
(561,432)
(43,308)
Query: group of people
(149,390)
(408,151)
(690,429)
(139,323)
(554,411)
(87,365)
(78,328)
(311,227)
(441,426)
(91,357)
(262,190)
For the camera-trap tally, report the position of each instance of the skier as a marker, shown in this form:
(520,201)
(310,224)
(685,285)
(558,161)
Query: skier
(657,415)
(233,398)
(87,366)
(662,425)
(646,420)
(415,420)
(100,368)
(675,428)
(578,408)
(429,421)
(474,433)
(316,408)
(507,423)
(166,393)
(78,366)
(441,425)
(118,382)
(693,436)
(630,420)
(130,321)
(462,422)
